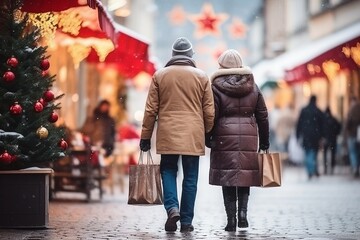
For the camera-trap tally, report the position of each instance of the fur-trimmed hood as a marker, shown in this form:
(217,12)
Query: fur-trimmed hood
(234,82)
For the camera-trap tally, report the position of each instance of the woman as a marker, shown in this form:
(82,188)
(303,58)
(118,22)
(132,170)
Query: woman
(241,128)
(100,127)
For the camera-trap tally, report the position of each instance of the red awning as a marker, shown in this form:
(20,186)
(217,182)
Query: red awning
(131,51)
(340,55)
(130,55)
(41,6)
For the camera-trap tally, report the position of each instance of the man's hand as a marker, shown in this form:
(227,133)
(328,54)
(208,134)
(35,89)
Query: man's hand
(145,145)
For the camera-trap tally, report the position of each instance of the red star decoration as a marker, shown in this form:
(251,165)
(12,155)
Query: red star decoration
(237,28)
(177,15)
(207,22)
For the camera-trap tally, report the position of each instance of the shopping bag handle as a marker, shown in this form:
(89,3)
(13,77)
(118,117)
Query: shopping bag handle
(149,159)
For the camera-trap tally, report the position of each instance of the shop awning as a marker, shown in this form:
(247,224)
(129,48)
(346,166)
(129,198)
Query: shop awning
(327,64)
(41,6)
(295,61)
(129,52)
(130,55)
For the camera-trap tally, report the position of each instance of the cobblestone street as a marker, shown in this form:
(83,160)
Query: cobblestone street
(324,208)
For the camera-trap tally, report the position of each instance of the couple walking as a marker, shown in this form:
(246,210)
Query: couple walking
(229,114)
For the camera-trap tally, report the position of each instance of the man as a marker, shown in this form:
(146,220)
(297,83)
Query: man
(352,127)
(181,101)
(309,130)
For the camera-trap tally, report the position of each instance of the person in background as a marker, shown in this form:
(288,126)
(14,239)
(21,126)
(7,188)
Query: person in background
(284,127)
(309,131)
(352,132)
(241,128)
(331,130)
(100,127)
(181,101)
(274,117)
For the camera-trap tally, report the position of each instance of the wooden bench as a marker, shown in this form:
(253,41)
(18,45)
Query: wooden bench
(78,173)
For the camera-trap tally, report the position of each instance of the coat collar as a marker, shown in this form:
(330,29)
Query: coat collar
(181,60)
(231,71)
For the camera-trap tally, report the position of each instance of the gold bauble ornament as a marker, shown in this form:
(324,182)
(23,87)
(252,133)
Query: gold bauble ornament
(42,132)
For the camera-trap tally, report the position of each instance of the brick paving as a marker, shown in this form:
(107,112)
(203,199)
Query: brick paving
(324,208)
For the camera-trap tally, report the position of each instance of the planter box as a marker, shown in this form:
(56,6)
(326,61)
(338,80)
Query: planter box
(24,198)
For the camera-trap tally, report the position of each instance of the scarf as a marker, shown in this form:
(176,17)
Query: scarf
(181,60)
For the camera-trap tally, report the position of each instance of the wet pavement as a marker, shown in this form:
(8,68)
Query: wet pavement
(327,207)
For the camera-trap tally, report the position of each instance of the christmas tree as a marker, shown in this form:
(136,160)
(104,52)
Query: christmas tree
(28,134)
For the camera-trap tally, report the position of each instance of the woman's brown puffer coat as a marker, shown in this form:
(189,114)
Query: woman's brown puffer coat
(241,128)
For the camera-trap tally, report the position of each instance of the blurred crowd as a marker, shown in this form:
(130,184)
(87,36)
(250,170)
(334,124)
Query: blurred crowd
(316,138)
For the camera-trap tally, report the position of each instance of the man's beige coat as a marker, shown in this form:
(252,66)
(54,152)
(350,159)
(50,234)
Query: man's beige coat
(180,100)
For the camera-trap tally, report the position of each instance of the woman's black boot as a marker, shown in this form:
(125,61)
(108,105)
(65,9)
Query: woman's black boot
(242,213)
(230,208)
(229,194)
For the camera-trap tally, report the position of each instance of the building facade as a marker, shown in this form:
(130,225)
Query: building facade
(312,48)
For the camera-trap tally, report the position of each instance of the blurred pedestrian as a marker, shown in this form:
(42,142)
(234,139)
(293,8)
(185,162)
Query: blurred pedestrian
(309,131)
(331,129)
(284,127)
(241,118)
(274,117)
(100,127)
(181,101)
(352,127)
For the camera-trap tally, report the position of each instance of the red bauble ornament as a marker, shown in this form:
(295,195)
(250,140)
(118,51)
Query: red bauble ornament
(53,117)
(48,96)
(63,144)
(44,73)
(43,102)
(38,107)
(15,109)
(6,158)
(12,62)
(44,64)
(8,76)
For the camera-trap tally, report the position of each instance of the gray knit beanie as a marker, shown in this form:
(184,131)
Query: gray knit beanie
(182,46)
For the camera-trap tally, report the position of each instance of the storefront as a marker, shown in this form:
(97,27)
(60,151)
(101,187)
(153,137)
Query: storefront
(92,56)
(328,68)
(332,76)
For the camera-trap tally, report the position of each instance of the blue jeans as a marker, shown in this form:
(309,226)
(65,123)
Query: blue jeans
(354,154)
(169,169)
(310,161)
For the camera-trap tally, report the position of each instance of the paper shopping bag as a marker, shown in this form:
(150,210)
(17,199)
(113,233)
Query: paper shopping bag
(270,169)
(145,183)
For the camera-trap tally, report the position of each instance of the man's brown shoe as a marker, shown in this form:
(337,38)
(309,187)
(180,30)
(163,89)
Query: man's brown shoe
(186,228)
(173,217)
